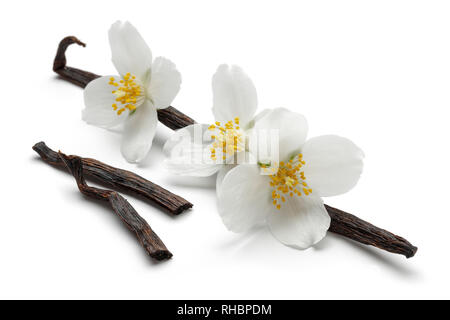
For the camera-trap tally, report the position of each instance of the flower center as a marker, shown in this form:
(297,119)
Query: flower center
(127,93)
(288,180)
(228,139)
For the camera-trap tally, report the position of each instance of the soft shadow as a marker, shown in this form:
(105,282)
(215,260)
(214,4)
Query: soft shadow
(240,240)
(390,260)
(192,182)
(57,78)
(118,130)
(253,244)
(260,236)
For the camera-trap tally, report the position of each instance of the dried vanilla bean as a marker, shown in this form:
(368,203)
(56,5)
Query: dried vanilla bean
(342,223)
(74,75)
(146,236)
(352,227)
(121,179)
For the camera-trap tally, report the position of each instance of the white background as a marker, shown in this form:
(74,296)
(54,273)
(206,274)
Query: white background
(377,72)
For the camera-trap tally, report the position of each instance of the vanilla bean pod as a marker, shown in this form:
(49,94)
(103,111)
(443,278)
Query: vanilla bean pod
(146,236)
(342,222)
(120,179)
(352,227)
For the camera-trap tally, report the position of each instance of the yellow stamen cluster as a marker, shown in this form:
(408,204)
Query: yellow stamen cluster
(127,93)
(289,180)
(229,139)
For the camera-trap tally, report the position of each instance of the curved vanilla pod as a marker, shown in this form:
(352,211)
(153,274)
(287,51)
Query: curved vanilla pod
(122,208)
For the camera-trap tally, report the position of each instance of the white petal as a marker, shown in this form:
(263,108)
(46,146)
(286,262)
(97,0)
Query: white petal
(194,133)
(187,152)
(129,51)
(301,222)
(221,175)
(244,198)
(234,95)
(165,82)
(292,130)
(186,165)
(139,131)
(333,164)
(256,118)
(98,99)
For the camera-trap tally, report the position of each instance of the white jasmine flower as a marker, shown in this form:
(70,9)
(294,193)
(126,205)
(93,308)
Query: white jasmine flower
(288,197)
(192,153)
(132,98)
